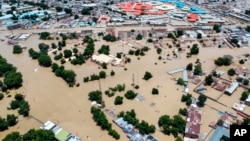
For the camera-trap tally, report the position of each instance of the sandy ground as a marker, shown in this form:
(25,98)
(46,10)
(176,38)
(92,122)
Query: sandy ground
(51,99)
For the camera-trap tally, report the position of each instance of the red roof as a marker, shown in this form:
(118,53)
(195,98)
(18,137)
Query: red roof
(193,122)
(192,17)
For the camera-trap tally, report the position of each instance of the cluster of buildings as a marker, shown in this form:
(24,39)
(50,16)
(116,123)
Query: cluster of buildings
(132,134)
(60,133)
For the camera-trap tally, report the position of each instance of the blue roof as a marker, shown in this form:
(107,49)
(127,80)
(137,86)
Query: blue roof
(218,133)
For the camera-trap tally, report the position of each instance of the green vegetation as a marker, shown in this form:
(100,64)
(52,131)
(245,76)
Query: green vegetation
(33,54)
(143,126)
(102,121)
(44,60)
(31,135)
(248,28)
(90,48)
(67,53)
(216,27)
(189,67)
(96,96)
(118,100)
(44,35)
(155,91)
(202,99)
(1,96)
(147,75)
(222,61)
(179,33)
(231,72)
(138,37)
(86,11)
(112,73)
(183,111)
(67,75)
(244,95)
(173,126)
(194,50)
(187,98)
(180,81)
(104,49)
(209,80)
(17,49)
(20,103)
(130,94)
(109,38)
(198,69)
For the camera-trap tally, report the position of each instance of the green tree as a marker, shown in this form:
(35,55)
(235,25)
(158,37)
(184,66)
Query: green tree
(244,95)
(3,124)
(147,75)
(24,108)
(246,121)
(42,135)
(195,49)
(189,67)
(104,49)
(216,27)
(69,76)
(1,96)
(197,69)
(102,74)
(158,50)
(13,136)
(17,49)
(43,48)
(112,73)
(109,38)
(33,54)
(245,82)
(130,94)
(180,81)
(14,104)
(178,139)
(118,100)
(199,36)
(86,11)
(67,53)
(13,80)
(11,120)
(231,72)
(183,111)
(248,28)
(209,80)
(155,91)
(95,96)
(138,37)
(179,32)
(202,99)
(59,9)
(44,35)
(44,60)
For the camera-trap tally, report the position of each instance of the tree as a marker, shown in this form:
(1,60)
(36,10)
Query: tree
(24,108)
(68,10)
(245,82)
(67,53)
(11,120)
(95,96)
(42,135)
(33,54)
(109,38)
(189,67)
(222,61)
(3,124)
(69,76)
(147,75)
(86,11)
(17,49)
(14,136)
(179,33)
(14,104)
(145,128)
(13,80)
(112,73)
(241,61)
(170,35)
(208,80)
(130,94)
(138,37)
(158,50)
(216,27)
(178,139)
(183,111)
(197,69)
(155,91)
(59,9)
(104,49)
(44,35)
(43,48)
(234,41)
(1,96)
(199,36)
(118,100)
(44,60)
(231,72)
(114,134)
(53,45)
(202,99)
(195,49)
(180,81)
(248,28)
(244,95)
(102,74)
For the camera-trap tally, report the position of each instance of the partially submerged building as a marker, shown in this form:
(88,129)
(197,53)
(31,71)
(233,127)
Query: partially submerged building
(220,134)
(193,124)
(233,86)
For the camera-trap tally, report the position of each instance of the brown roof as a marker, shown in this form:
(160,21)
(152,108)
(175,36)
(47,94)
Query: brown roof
(193,122)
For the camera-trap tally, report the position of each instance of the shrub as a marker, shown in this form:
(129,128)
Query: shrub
(155,91)
(147,75)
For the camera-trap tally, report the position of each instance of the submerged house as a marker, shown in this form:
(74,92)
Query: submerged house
(233,86)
